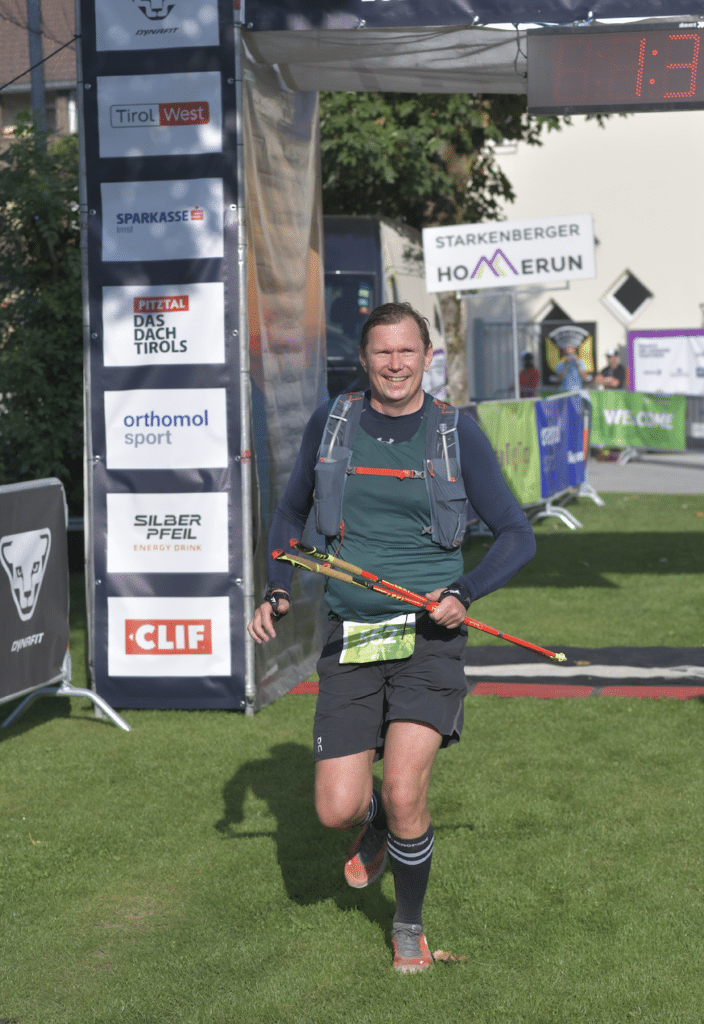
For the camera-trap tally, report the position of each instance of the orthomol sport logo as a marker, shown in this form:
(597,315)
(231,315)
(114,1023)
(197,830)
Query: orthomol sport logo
(169,636)
(171,324)
(164,115)
(175,533)
(24,558)
(166,429)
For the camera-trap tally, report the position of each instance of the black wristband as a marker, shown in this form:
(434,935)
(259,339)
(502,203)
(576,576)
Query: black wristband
(274,596)
(459,591)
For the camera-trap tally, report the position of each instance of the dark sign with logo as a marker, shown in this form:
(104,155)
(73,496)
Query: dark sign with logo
(33,586)
(558,336)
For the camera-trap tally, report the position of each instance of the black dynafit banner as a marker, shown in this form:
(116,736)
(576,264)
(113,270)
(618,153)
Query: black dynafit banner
(159,98)
(34,628)
(278,15)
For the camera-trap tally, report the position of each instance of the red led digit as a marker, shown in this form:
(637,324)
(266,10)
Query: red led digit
(641,60)
(680,67)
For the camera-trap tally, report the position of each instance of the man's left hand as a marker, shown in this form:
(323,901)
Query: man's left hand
(450,613)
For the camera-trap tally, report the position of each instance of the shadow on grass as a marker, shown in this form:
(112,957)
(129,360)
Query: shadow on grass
(583,559)
(310,856)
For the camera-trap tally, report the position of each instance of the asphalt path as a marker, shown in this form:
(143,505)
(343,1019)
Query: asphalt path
(650,473)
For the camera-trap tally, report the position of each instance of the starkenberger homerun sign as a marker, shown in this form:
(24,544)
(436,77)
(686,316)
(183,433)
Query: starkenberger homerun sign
(502,254)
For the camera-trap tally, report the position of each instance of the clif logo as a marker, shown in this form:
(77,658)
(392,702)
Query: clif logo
(168,636)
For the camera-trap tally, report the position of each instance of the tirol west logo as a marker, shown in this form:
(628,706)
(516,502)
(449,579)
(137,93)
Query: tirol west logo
(24,557)
(159,115)
(154,10)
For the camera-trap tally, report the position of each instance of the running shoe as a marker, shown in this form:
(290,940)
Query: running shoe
(366,858)
(411,953)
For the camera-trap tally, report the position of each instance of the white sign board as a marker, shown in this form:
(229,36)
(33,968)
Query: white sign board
(502,254)
(667,362)
(171,428)
(168,636)
(163,220)
(173,324)
(155,24)
(185,532)
(160,115)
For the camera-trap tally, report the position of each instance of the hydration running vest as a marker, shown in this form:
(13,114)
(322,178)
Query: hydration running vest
(441,472)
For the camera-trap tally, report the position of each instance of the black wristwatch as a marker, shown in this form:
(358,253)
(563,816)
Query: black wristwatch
(459,591)
(274,595)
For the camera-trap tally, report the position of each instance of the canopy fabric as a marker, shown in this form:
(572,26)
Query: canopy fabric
(301,15)
(442,60)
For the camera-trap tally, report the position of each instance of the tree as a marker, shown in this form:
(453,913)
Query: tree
(41,347)
(428,159)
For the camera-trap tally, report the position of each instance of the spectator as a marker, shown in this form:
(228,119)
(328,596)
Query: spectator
(613,375)
(571,371)
(529,378)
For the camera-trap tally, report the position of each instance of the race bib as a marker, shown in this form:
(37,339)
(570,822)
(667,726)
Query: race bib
(378,641)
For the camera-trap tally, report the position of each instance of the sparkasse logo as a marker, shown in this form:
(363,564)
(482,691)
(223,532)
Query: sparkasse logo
(159,115)
(168,636)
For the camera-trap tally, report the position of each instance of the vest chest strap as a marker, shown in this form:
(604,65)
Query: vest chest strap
(400,474)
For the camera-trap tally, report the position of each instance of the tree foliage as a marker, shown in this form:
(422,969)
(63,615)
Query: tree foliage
(426,158)
(41,351)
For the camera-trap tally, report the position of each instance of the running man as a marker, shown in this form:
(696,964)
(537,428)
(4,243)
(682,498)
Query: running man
(390,471)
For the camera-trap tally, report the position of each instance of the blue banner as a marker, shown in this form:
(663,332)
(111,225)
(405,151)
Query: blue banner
(560,440)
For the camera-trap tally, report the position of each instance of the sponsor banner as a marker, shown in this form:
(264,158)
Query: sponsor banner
(175,428)
(149,325)
(162,220)
(33,586)
(173,533)
(155,24)
(159,115)
(627,419)
(560,438)
(169,636)
(670,362)
(510,427)
(507,253)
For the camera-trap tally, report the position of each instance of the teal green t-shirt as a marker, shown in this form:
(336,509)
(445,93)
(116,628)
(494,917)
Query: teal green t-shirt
(384,519)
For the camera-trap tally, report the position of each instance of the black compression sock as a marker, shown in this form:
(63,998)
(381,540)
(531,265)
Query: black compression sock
(376,815)
(410,860)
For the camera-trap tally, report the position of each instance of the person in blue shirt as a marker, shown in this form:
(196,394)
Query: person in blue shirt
(571,372)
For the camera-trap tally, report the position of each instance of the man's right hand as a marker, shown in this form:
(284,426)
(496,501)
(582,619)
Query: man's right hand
(261,628)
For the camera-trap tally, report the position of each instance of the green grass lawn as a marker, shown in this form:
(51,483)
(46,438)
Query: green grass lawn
(177,874)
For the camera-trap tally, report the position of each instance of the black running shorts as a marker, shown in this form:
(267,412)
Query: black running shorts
(357,702)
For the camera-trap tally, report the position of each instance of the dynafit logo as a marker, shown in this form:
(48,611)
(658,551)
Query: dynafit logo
(155,10)
(24,557)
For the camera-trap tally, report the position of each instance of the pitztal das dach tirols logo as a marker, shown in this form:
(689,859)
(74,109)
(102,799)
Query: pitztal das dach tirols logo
(24,557)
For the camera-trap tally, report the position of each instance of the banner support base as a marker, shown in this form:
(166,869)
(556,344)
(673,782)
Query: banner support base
(66,690)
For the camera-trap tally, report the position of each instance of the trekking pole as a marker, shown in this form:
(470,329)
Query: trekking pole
(337,568)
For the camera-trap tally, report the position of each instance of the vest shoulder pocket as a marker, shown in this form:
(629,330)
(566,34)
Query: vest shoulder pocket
(448,503)
(330,477)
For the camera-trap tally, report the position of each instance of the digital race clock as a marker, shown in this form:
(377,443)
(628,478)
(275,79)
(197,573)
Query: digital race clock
(609,68)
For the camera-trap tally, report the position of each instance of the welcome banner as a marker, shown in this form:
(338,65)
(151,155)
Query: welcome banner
(628,419)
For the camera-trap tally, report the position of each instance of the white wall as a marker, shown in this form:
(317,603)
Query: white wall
(642,178)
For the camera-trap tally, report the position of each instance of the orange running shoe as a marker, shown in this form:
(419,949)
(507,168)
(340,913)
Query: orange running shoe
(411,953)
(366,858)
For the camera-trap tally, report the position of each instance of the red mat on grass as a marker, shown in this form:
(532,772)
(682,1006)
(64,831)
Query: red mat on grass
(559,690)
